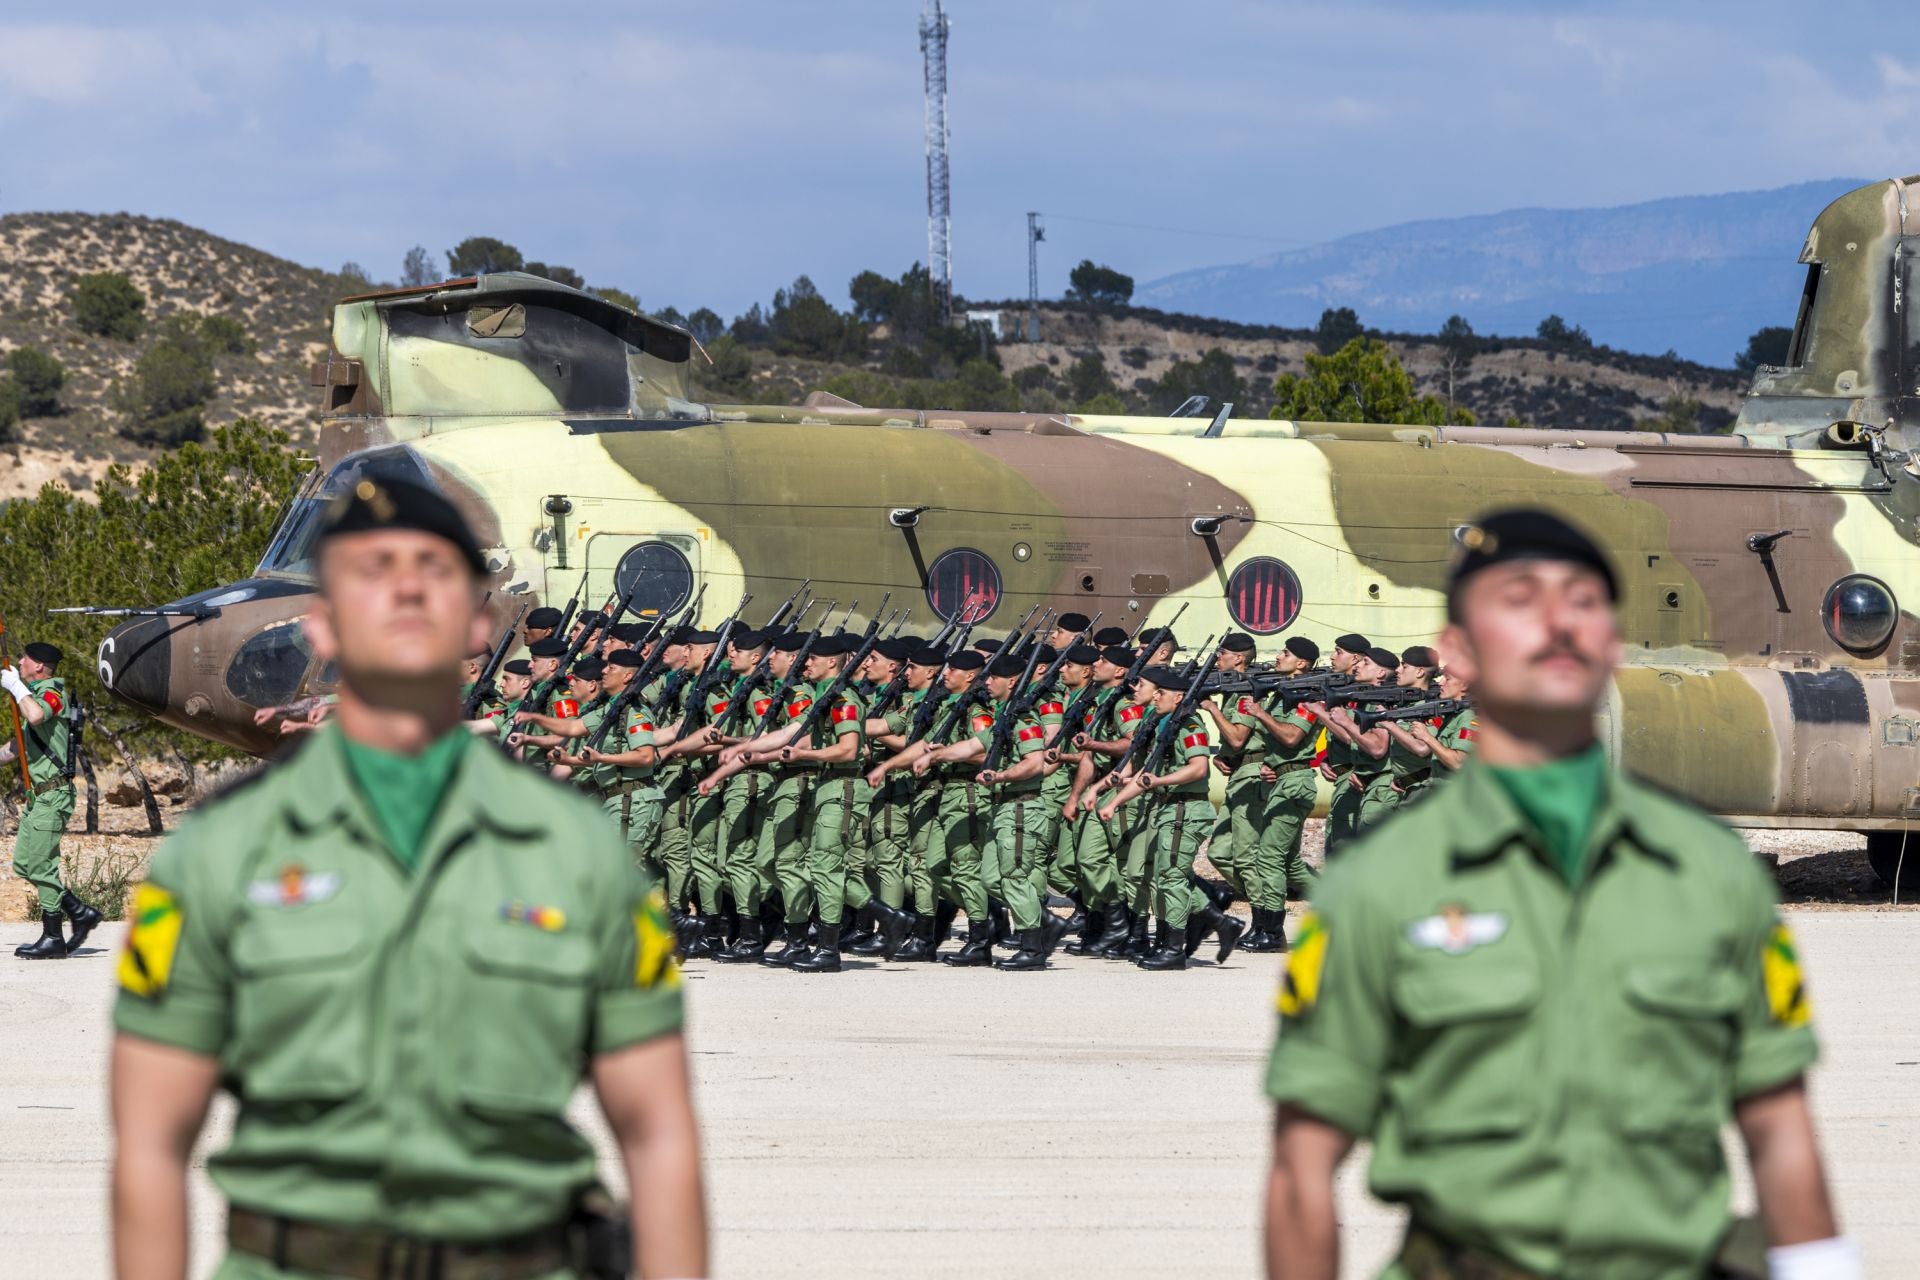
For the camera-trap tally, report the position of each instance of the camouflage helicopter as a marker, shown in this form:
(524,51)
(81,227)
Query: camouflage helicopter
(1773,673)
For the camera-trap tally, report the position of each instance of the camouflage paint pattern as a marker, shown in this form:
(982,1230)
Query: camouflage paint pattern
(521,397)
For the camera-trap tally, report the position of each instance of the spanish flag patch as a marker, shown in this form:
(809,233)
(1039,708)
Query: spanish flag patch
(1786,987)
(1300,985)
(146,963)
(654,966)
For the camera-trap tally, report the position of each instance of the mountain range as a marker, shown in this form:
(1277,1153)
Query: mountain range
(1696,275)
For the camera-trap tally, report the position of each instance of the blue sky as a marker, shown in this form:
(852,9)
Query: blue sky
(705,153)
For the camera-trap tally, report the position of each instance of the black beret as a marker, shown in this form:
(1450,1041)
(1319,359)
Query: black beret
(927,655)
(593,621)
(697,636)
(1169,678)
(1107,637)
(1303,648)
(589,669)
(1072,622)
(1083,655)
(835,646)
(1353,642)
(1385,658)
(1419,656)
(967,660)
(896,649)
(629,632)
(1526,533)
(1006,666)
(1119,655)
(1237,642)
(681,635)
(42,652)
(1047,654)
(746,639)
(625,658)
(1154,637)
(518,667)
(545,618)
(791,642)
(551,647)
(987,645)
(373,504)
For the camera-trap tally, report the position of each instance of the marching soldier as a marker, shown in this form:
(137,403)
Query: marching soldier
(890,815)
(1022,820)
(1233,849)
(540,623)
(963,822)
(1452,744)
(1093,850)
(619,771)
(1406,768)
(1543,996)
(1062,872)
(40,697)
(401,955)
(1287,769)
(904,814)
(1336,766)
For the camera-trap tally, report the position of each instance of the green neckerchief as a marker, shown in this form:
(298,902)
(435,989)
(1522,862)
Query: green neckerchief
(1561,800)
(404,791)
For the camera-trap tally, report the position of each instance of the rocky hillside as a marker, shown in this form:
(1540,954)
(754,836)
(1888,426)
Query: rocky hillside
(283,309)
(282,305)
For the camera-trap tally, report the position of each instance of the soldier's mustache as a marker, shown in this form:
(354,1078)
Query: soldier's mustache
(1551,652)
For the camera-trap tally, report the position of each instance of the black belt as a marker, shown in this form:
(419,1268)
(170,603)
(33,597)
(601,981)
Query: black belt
(369,1253)
(1427,1256)
(626,788)
(51,785)
(1413,779)
(1292,766)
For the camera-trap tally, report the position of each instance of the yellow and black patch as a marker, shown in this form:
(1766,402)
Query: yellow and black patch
(1300,985)
(654,965)
(1786,986)
(146,965)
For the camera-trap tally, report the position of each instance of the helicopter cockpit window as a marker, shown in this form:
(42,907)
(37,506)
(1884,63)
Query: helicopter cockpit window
(267,670)
(291,551)
(498,322)
(1860,613)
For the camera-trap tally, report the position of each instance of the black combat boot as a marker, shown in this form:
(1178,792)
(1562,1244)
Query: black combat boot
(1113,932)
(80,916)
(825,955)
(1170,953)
(1081,919)
(1092,921)
(686,931)
(979,948)
(944,913)
(1139,944)
(48,946)
(795,938)
(919,943)
(1260,937)
(1003,934)
(749,946)
(1226,928)
(1052,929)
(713,935)
(865,939)
(1032,953)
(896,927)
(1218,892)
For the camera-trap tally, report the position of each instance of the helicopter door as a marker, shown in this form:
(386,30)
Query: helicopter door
(662,569)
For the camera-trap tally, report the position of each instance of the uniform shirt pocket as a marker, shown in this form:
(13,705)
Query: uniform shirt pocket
(1471,1048)
(523,1015)
(1680,1039)
(301,1000)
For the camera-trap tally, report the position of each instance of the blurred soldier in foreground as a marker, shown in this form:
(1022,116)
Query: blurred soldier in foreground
(1542,991)
(400,953)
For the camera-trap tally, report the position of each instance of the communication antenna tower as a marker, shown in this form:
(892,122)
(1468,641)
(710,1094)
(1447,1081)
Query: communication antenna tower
(1035,234)
(933,48)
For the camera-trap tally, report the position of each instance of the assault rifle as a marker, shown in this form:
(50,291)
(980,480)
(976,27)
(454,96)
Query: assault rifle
(778,703)
(757,676)
(696,700)
(573,604)
(483,684)
(1171,723)
(1437,709)
(890,692)
(824,703)
(644,673)
(1029,692)
(978,691)
(542,693)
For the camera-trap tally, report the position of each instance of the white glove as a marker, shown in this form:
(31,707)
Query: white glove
(1836,1258)
(10,681)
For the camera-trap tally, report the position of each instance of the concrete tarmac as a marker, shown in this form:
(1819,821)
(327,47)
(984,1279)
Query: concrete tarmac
(900,1120)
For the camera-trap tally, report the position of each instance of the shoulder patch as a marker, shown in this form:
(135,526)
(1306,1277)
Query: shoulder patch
(654,965)
(1786,987)
(146,962)
(1300,983)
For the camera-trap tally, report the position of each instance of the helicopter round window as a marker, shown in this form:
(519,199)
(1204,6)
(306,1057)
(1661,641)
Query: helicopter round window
(658,574)
(1860,613)
(963,581)
(1263,595)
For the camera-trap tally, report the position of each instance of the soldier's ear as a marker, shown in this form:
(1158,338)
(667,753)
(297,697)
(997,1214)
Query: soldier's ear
(1457,654)
(318,628)
(480,632)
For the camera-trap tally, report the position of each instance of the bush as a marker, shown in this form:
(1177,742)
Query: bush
(223,335)
(108,305)
(165,402)
(9,409)
(1098,285)
(731,370)
(482,255)
(39,378)
(1338,326)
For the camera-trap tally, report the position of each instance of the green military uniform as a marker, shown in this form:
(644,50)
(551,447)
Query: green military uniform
(1130,833)
(627,792)
(1543,1024)
(665,696)
(1180,818)
(898,874)
(963,823)
(1234,848)
(737,844)
(1457,734)
(1022,823)
(36,848)
(783,826)
(836,818)
(1289,803)
(403,967)
(1406,773)
(1053,869)
(1343,815)
(1094,853)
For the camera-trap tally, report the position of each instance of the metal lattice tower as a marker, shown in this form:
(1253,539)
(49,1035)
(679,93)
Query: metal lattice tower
(933,47)
(1035,234)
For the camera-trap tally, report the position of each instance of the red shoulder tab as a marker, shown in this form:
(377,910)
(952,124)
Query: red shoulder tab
(1031,732)
(1052,708)
(53,700)
(718,709)
(760,705)
(982,720)
(797,709)
(1246,706)
(566,708)
(844,712)
(1194,740)
(1129,714)
(1467,734)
